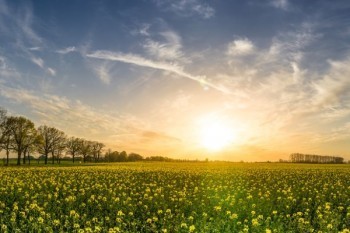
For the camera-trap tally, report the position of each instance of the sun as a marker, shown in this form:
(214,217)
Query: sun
(216,136)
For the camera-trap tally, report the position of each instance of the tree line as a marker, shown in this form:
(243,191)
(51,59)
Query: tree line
(20,136)
(310,158)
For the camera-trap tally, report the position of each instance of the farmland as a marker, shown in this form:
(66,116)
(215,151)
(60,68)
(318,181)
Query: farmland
(176,197)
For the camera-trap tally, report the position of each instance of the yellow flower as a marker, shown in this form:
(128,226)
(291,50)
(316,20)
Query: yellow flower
(192,228)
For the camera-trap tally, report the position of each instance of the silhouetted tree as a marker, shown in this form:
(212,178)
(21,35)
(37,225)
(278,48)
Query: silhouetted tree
(96,148)
(308,158)
(5,136)
(59,147)
(85,149)
(73,146)
(22,132)
(133,157)
(49,140)
(123,156)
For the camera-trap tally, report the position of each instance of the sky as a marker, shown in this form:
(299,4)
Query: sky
(162,77)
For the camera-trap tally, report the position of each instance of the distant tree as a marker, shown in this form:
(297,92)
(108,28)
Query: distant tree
(96,148)
(85,149)
(133,157)
(21,131)
(107,155)
(115,156)
(30,146)
(5,136)
(58,148)
(74,147)
(123,156)
(308,158)
(49,139)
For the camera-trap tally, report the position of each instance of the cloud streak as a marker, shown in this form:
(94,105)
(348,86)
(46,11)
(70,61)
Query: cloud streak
(40,63)
(140,61)
(187,8)
(66,50)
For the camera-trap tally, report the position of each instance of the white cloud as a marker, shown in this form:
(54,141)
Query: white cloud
(35,48)
(140,61)
(65,113)
(143,30)
(51,71)
(240,47)
(38,61)
(103,74)
(81,120)
(169,50)
(6,70)
(25,22)
(66,50)
(333,88)
(204,10)
(287,48)
(281,4)
(187,7)
(3,64)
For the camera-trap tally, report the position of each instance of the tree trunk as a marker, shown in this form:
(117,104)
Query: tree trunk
(28,158)
(19,153)
(53,157)
(24,156)
(7,156)
(46,157)
(73,156)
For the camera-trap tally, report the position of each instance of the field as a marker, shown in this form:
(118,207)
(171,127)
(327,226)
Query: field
(176,197)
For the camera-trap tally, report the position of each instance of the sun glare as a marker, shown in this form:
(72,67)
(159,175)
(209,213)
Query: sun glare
(216,136)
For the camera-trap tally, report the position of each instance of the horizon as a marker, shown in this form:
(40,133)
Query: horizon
(234,81)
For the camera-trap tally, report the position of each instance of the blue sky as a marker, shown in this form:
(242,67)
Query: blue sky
(150,76)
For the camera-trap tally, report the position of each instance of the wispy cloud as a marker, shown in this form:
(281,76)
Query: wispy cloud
(66,50)
(25,23)
(334,88)
(51,71)
(187,7)
(6,70)
(78,119)
(140,61)
(102,73)
(142,30)
(281,4)
(240,47)
(169,50)
(148,136)
(38,61)
(35,48)
(64,113)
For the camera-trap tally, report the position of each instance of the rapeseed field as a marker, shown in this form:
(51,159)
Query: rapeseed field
(176,197)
